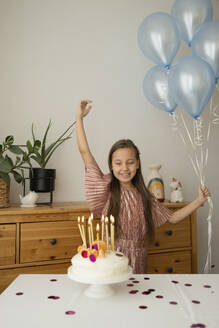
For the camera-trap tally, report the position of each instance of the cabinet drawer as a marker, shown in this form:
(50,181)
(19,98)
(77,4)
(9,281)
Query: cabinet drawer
(172,236)
(43,241)
(7,243)
(173,262)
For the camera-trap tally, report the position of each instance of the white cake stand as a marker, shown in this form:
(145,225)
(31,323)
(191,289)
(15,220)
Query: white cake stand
(99,287)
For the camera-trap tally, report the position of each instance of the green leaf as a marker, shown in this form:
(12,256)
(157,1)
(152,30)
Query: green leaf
(33,135)
(6,164)
(9,140)
(36,146)
(44,139)
(29,146)
(18,159)
(15,149)
(5,177)
(17,176)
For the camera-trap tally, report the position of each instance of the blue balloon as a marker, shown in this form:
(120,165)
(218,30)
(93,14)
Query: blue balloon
(159,37)
(190,15)
(206,44)
(192,82)
(156,89)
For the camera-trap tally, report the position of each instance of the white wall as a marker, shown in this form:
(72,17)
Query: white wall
(56,52)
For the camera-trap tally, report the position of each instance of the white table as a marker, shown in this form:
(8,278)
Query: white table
(25,303)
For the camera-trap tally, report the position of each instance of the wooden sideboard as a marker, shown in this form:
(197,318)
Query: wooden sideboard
(43,239)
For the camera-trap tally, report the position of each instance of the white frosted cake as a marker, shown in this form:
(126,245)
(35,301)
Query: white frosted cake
(112,265)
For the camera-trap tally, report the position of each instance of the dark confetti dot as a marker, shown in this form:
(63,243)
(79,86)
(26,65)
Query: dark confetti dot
(188,285)
(70,312)
(146,278)
(19,293)
(173,303)
(207,286)
(159,296)
(197,325)
(53,280)
(119,254)
(143,307)
(213,266)
(53,297)
(129,285)
(131,278)
(146,292)
(134,291)
(135,281)
(151,290)
(175,281)
(195,302)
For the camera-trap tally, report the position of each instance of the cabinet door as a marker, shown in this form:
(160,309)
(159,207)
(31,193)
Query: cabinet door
(173,262)
(172,236)
(44,241)
(7,243)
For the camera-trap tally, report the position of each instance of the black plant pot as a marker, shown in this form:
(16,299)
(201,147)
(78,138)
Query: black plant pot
(42,180)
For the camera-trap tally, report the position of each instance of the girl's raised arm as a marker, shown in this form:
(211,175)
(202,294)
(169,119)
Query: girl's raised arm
(82,110)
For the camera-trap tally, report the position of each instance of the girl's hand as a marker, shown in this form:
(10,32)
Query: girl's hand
(203,194)
(83,109)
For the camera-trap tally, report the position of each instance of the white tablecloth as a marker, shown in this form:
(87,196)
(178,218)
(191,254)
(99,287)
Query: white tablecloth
(55,301)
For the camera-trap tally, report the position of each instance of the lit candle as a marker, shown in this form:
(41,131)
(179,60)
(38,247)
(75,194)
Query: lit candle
(83,231)
(112,231)
(91,226)
(107,234)
(98,235)
(102,227)
(89,232)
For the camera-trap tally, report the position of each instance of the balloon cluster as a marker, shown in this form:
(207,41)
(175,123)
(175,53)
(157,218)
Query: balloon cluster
(190,82)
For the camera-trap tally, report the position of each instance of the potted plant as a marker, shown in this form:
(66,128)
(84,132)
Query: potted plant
(42,179)
(11,165)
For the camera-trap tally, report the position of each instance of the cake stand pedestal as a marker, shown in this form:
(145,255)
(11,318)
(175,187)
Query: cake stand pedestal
(99,287)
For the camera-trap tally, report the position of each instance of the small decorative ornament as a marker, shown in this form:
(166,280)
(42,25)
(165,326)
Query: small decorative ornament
(92,257)
(84,254)
(155,182)
(176,195)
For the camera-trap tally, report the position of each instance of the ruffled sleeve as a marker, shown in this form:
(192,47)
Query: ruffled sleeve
(96,188)
(160,213)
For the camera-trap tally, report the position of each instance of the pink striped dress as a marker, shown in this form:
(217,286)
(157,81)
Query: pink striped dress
(132,237)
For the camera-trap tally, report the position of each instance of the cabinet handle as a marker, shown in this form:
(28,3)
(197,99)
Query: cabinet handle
(169,232)
(170,270)
(53,241)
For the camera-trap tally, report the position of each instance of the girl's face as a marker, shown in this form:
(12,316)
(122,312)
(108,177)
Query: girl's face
(125,165)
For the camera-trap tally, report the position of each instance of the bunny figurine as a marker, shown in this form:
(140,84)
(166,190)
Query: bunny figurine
(176,195)
(29,200)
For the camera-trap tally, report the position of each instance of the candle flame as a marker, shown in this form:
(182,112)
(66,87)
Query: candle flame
(89,220)
(79,219)
(92,216)
(97,227)
(82,219)
(102,218)
(112,220)
(106,220)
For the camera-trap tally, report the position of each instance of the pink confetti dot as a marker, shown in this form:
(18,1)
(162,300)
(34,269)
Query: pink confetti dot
(53,280)
(207,286)
(146,278)
(159,296)
(146,292)
(19,293)
(173,303)
(129,285)
(52,297)
(198,325)
(188,285)
(134,291)
(175,281)
(143,307)
(131,278)
(70,312)
(195,302)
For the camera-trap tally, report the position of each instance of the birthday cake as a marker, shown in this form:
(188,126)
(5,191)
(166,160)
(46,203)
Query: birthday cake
(97,259)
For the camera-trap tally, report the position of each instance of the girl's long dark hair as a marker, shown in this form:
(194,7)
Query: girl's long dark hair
(138,182)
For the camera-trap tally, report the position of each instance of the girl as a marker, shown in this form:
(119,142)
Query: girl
(123,194)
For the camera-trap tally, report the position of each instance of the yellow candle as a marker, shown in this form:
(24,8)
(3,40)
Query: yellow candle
(98,235)
(107,234)
(79,226)
(102,227)
(112,232)
(83,231)
(89,232)
(91,226)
